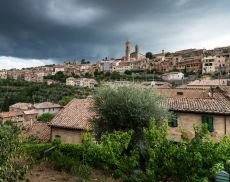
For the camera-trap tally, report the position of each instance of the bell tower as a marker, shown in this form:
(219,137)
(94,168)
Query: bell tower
(127,50)
(137,52)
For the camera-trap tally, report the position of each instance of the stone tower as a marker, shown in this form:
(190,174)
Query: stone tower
(127,50)
(137,52)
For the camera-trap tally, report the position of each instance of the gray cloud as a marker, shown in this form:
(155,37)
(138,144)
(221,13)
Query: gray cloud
(93,29)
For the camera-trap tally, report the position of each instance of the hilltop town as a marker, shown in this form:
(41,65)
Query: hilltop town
(215,62)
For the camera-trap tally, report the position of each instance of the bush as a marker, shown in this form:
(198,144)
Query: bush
(188,161)
(195,160)
(11,149)
(72,150)
(46,117)
(36,150)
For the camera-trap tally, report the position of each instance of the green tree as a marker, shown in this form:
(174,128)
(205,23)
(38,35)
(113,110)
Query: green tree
(126,107)
(168,54)
(128,72)
(10,149)
(83,61)
(88,75)
(46,117)
(65,100)
(115,75)
(149,55)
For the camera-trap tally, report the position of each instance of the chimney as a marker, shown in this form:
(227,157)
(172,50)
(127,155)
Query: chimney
(210,93)
(228,82)
(31,123)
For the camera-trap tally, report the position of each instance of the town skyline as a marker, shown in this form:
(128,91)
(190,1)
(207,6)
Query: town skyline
(32,63)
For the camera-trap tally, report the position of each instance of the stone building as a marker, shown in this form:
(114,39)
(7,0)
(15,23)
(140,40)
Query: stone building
(173,76)
(21,107)
(196,106)
(15,74)
(191,64)
(71,81)
(3,74)
(86,82)
(70,123)
(47,107)
(13,116)
(209,64)
(134,56)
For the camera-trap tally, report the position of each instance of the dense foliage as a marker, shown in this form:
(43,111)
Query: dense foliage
(195,160)
(46,117)
(65,100)
(126,107)
(128,75)
(12,166)
(13,91)
(59,76)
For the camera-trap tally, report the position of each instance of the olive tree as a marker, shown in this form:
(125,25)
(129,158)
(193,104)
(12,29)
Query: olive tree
(12,167)
(124,108)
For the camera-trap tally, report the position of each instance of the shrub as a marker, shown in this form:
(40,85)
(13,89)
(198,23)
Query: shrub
(11,149)
(193,160)
(36,150)
(46,117)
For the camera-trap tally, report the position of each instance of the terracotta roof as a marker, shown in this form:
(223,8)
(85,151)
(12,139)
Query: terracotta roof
(225,90)
(45,105)
(30,112)
(41,130)
(211,105)
(23,106)
(74,115)
(10,114)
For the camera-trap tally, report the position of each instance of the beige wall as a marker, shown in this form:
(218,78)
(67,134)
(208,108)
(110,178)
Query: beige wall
(186,121)
(67,135)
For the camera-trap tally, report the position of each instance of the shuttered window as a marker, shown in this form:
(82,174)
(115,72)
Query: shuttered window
(209,120)
(173,120)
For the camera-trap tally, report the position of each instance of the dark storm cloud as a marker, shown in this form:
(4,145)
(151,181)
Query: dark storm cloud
(93,29)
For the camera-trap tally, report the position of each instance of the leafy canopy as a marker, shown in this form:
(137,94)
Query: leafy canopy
(126,107)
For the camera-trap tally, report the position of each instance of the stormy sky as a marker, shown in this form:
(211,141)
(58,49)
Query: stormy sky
(38,32)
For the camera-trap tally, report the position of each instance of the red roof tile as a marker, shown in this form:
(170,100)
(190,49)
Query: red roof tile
(10,114)
(211,105)
(41,130)
(45,105)
(74,115)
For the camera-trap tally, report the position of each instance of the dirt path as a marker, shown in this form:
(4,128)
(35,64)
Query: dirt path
(42,173)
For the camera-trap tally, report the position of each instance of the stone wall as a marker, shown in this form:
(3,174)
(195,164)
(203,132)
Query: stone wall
(67,135)
(186,121)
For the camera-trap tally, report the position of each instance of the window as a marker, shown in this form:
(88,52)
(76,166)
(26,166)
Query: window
(57,139)
(173,120)
(209,120)
(179,93)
